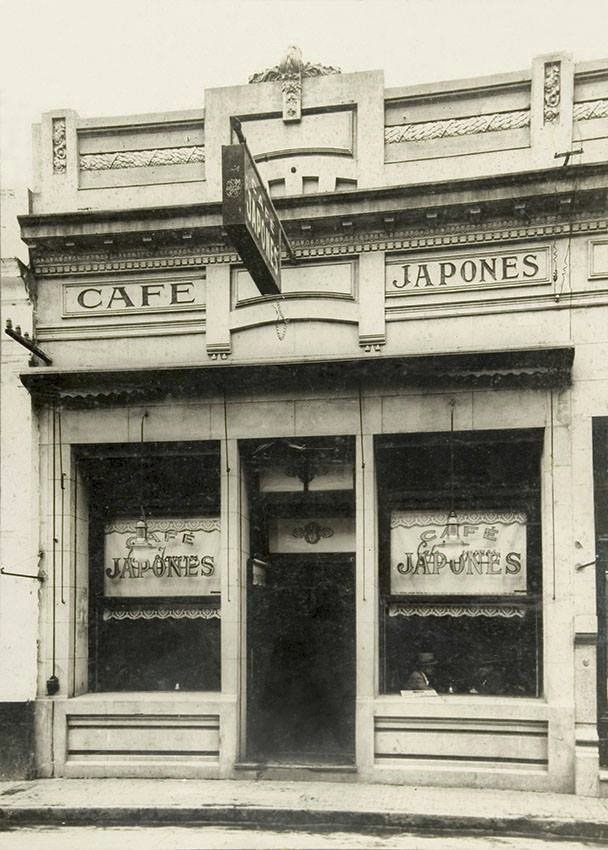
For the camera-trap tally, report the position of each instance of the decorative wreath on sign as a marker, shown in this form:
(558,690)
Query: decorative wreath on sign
(233,187)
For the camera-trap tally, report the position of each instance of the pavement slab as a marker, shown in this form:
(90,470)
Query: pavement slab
(270,804)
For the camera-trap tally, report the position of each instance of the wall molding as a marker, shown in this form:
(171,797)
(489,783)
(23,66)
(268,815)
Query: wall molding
(588,109)
(334,245)
(145,158)
(119,330)
(424,131)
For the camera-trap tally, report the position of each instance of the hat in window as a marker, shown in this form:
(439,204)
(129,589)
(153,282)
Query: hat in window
(426,659)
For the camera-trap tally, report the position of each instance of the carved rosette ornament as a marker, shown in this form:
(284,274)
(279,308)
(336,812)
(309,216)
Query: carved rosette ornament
(552,92)
(59,150)
(290,72)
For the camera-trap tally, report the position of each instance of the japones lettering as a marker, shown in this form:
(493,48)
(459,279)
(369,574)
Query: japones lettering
(423,275)
(477,562)
(180,566)
(263,224)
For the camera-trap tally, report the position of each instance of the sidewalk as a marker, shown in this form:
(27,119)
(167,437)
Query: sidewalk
(138,802)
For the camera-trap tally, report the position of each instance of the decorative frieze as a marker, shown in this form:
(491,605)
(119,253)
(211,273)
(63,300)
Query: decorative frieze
(552,92)
(425,131)
(589,109)
(150,158)
(454,127)
(59,146)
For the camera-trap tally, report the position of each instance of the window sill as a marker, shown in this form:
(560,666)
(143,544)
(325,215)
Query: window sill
(152,696)
(465,705)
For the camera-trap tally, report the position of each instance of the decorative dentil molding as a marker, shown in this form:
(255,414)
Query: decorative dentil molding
(453,127)
(59,146)
(290,72)
(142,158)
(49,265)
(552,92)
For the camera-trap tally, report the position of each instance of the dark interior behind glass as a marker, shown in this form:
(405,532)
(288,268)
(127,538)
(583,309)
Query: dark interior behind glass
(179,647)
(482,644)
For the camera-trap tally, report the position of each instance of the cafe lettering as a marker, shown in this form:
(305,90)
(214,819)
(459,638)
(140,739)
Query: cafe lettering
(458,554)
(122,296)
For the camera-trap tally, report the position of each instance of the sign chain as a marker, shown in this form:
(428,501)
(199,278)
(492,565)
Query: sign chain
(281,323)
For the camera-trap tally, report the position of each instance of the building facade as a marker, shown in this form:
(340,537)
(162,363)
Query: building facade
(253,511)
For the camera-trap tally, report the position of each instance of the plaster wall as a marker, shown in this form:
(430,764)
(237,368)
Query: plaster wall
(467,128)
(18,501)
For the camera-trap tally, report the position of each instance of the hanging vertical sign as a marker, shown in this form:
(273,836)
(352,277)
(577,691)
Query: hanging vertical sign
(250,219)
(175,557)
(478,554)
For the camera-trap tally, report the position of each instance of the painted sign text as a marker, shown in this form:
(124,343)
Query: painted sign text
(421,275)
(471,554)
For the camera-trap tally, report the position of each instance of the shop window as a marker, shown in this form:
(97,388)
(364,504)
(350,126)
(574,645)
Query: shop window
(460,563)
(154,582)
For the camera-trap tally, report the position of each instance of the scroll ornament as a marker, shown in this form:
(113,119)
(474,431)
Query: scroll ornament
(59,146)
(552,92)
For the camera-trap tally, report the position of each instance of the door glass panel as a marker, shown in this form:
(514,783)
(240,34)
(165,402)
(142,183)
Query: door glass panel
(301,600)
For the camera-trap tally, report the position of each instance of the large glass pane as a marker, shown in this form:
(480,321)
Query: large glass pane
(154,601)
(460,562)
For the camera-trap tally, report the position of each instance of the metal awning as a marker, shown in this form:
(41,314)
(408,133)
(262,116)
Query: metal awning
(532,368)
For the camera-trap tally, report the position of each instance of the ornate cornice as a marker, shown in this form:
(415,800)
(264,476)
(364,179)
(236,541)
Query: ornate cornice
(472,125)
(332,245)
(142,158)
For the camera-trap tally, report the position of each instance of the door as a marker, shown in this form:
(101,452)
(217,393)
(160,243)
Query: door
(301,674)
